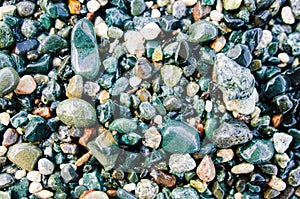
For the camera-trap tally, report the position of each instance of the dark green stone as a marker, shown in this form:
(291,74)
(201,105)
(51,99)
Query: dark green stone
(131,139)
(41,66)
(184,192)
(251,38)
(20,189)
(241,54)
(45,21)
(296,137)
(36,130)
(9,80)
(116,17)
(20,63)
(6,35)
(105,111)
(202,31)
(6,60)
(123,125)
(275,86)
(56,183)
(12,21)
(57,10)
(52,43)
(179,137)
(168,23)
(85,57)
(257,151)
(282,104)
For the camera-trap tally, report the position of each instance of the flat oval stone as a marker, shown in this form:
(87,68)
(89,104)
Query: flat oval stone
(123,125)
(179,137)
(85,57)
(257,151)
(9,80)
(202,31)
(24,155)
(76,112)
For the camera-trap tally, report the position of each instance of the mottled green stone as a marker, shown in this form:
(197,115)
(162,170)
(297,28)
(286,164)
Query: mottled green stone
(9,80)
(92,180)
(202,31)
(6,35)
(36,130)
(51,44)
(184,192)
(123,125)
(6,60)
(76,112)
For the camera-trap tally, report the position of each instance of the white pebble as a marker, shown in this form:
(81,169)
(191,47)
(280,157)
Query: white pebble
(287,15)
(20,174)
(56,62)
(284,57)
(216,16)
(135,81)
(158,119)
(34,176)
(93,5)
(155,13)
(190,2)
(7,9)
(150,31)
(265,39)
(4,118)
(208,106)
(103,2)
(101,28)
(35,187)
(3,150)
(129,187)
(44,194)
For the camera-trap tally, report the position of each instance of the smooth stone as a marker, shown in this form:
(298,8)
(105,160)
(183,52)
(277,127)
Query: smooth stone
(19,119)
(282,160)
(29,28)
(257,151)
(225,154)
(95,195)
(41,66)
(241,54)
(277,183)
(270,169)
(163,178)
(57,10)
(75,87)
(294,177)
(178,9)
(231,4)
(6,35)
(123,125)
(115,32)
(35,187)
(147,111)
(282,141)
(45,166)
(287,15)
(10,137)
(137,7)
(146,189)
(184,192)
(143,68)
(172,103)
(271,193)
(123,194)
(93,5)
(52,43)
(24,155)
(181,163)
(231,133)
(6,180)
(206,170)
(282,104)
(26,86)
(171,75)
(76,112)
(243,168)
(179,137)
(37,130)
(9,80)
(34,176)
(68,173)
(202,31)
(5,195)
(6,60)
(192,89)
(25,8)
(85,57)
(276,86)
(120,86)
(150,31)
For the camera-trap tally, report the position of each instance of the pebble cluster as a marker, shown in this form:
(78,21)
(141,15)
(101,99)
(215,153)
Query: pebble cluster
(140,99)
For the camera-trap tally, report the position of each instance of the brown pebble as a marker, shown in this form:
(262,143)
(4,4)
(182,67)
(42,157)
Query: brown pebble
(218,44)
(144,95)
(225,154)
(83,159)
(206,170)
(10,137)
(199,11)
(277,183)
(88,134)
(277,119)
(26,85)
(69,148)
(43,112)
(162,178)
(103,96)
(111,193)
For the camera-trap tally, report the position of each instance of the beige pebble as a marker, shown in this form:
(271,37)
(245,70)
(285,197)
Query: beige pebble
(216,16)
(20,174)
(242,168)
(4,118)
(206,170)
(83,159)
(34,176)
(93,5)
(277,183)
(35,187)
(284,57)
(7,9)
(218,44)
(155,13)
(26,85)
(287,15)
(44,194)
(297,192)
(225,154)
(129,187)
(103,96)
(152,138)
(56,61)
(192,89)
(101,29)
(158,119)
(199,185)
(75,87)
(238,195)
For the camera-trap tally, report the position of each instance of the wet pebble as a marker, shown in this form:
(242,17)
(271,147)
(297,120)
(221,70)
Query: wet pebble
(25,8)
(45,166)
(181,163)
(26,85)
(206,170)
(277,183)
(152,138)
(242,168)
(10,80)
(10,137)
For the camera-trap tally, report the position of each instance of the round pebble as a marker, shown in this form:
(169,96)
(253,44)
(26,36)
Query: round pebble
(181,163)
(287,15)
(146,189)
(242,168)
(45,166)
(34,176)
(26,86)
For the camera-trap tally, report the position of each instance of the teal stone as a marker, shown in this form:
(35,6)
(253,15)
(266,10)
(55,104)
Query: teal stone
(52,43)
(85,57)
(37,130)
(123,194)
(92,180)
(257,151)
(110,65)
(41,66)
(57,10)
(123,125)
(45,21)
(76,112)
(24,155)
(78,191)
(20,63)
(179,137)
(6,35)
(116,17)
(105,111)
(131,139)
(231,133)
(120,86)
(12,21)
(147,111)
(137,7)
(276,86)
(9,80)
(211,125)
(184,192)
(207,2)
(6,60)
(202,31)
(20,189)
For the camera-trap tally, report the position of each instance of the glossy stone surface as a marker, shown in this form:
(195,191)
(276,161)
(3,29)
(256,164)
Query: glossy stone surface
(6,35)
(85,57)
(202,31)
(52,43)
(9,80)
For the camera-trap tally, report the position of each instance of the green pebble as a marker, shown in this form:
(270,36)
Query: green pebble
(171,75)
(57,10)
(45,21)
(6,35)
(41,66)
(202,31)
(131,138)
(20,189)
(56,183)
(123,125)
(110,65)
(120,86)
(9,80)
(52,43)
(37,130)
(29,28)
(6,60)
(184,192)
(137,7)
(147,111)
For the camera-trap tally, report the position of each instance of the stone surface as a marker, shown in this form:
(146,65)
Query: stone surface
(242,168)
(282,141)
(179,137)
(134,42)
(9,80)
(10,137)
(123,125)
(152,138)
(6,35)
(184,192)
(294,177)
(6,180)
(277,183)
(75,87)
(202,31)
(181,163)
(34,176)
(37,130)
(25,8)
(225,154)
(95,195)
(6,60)
(206,170)
(146,189)
(163,178)
(150,31)
(24,155)
(85,57)
(171,75)
(143,68)
(287,15)
(76,112)
(52,43)
(45,166)
(26,85)
(231,4)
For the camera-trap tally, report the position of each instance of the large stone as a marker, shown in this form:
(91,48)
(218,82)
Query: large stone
(9,80)
(202,31)
(24,155)
(179,137)
(76,112)
(85,57)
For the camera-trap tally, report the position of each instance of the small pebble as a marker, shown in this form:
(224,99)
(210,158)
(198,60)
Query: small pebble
(218,44)
(10,137)
(277,183)
(93,5)
(284,57)
(26,86)
(206,170)
(3,150)
(199,185)
(282,160)
(45,166)
(155,13)
(146,189)
(181,163)
(242,168)
(225,154)
(190,2)
(4,118)
(34,176)
(44,194)
(216,16)
(150,31)
(35,187)
(20,174)
(192,89)
(282,141)
(287,15)
(152,138)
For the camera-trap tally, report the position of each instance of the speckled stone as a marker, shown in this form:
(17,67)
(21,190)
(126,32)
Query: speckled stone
(202,31)
(146,189)
(206,170)
(282,141)
(181,163)
(171,75)
(6,35)
(75,87)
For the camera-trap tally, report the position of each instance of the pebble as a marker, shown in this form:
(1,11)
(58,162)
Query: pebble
(130,187)
(20,174)
(4,118)
(76,112)
(216,16)
(231,4)
(171,75)
(146,189)
(143,68)
(52,43)
(93,5)
(43,112)
(34,128)
(74,6)
(282,160)
(218,44)
(123,125)
(162,178)
(266,38)
(287,15)
(190,2)
(277,183)
(178,9)
(294,177)
(10,137)
(24,155)
(284,57)
(181,163)
(35,187)
(67,148)
(6,180)
(150,31)
(26,86)
(34,176)
(101,28)
(3,150)
(155,13)
(94,195)
(75,87)
(134,42)
(91,88)
(120,86)
(135,81)
(85,57)
(192,89)
(29,28)
(184,192)
(137,7)
(282,141)
(10,80)
(25,8)
(152,138)
(179,137)
(44,194)
(199,185)
(115,32)
(7,9)
(68,173)
(45,166)
(242,168)
(206,170)
(225,154)
(202,31)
